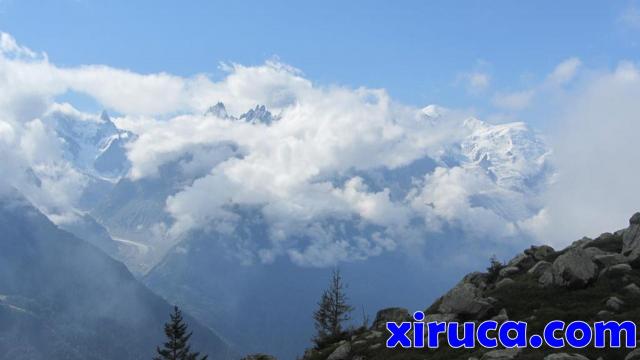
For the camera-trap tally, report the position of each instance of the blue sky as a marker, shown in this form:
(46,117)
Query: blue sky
(422,52)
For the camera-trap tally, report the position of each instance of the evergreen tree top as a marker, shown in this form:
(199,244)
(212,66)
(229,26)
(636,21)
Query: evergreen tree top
(177,345)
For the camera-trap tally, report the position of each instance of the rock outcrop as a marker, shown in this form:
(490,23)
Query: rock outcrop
(565,356)
(592,279)
(466,300)
(341,353)
(390,314)
(634,355)
(631,241)
(574,269)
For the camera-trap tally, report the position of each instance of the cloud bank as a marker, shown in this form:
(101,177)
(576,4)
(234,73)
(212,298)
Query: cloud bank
(337,173)
(592,117)
(332,160)
(596,152)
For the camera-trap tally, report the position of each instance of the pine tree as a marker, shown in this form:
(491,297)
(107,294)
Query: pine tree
(177,345)
(333,311)
(494,269)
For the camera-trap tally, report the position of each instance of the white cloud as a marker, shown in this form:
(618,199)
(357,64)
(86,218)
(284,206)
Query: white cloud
(9,46)
(340,175)
(327,133)
(288,170)
(30,154)
(375,207)
(563,74)
(565,71)
(32,163)
(596,153)
(593,133)
(476,81)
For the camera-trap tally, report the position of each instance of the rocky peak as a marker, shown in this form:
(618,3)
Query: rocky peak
(106,128)
(104,116)
(218,110)
(259,114)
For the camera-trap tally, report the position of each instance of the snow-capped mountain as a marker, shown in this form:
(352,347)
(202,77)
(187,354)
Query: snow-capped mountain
(512,154)
(494,168)
(93,144)
(509,152)
(498,166)
(95,149)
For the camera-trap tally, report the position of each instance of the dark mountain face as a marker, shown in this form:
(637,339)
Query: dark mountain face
(62,298)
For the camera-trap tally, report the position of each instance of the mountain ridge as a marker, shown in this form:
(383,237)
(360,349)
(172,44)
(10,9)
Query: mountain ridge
(62,298)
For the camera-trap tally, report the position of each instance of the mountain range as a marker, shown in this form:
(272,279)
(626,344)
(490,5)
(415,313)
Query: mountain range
(204,270)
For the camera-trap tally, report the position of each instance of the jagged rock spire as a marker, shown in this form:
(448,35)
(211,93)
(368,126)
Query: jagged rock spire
(218,110)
